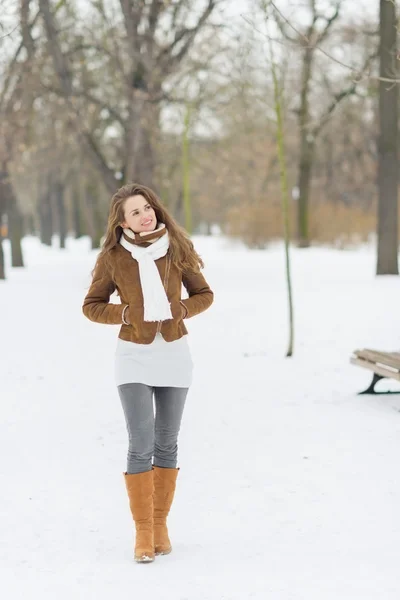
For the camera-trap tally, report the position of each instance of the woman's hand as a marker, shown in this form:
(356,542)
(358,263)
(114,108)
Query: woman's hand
(184,310)
(178,310)
(125,316)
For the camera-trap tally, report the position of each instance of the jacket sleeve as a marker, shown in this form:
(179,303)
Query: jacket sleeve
(200,294)
(97,306)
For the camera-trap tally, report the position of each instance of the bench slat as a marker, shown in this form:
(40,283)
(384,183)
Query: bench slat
(378,369)
(390,359)
(387,355)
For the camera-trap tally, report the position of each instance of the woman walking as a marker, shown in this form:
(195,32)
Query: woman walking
(146,256)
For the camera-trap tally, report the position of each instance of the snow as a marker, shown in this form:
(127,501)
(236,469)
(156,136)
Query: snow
(289,486)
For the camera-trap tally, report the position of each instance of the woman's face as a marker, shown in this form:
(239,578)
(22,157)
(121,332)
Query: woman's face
(139,215)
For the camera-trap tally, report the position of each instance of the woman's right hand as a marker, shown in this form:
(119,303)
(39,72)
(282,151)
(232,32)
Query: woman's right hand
(125,315)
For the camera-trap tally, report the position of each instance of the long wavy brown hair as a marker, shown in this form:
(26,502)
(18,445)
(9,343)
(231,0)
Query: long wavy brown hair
(181,249)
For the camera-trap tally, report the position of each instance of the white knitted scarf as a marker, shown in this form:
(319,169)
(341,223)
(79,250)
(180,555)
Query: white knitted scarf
(156,304)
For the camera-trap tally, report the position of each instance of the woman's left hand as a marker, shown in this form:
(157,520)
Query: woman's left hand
(178,310)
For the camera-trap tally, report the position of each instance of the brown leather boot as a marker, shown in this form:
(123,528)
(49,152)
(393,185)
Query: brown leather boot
(140,491)
(164,490)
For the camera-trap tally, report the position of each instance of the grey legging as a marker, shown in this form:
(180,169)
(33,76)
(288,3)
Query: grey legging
(148,435)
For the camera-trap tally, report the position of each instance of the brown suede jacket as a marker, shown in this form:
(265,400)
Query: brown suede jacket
(125,279)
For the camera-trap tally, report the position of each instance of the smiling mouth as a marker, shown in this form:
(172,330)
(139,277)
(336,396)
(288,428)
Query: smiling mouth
(147,222)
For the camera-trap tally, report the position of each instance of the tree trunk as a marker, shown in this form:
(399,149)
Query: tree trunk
(284,194)
(16,234)
(61,213)
(29,225)
(15,221)
(307,144)
(186,172)
(329,170)
(77,216)
(134,135)
(387,263)
(141,139)
(305,172)
(94,220)
(99,229)
(46,218)
(146,160)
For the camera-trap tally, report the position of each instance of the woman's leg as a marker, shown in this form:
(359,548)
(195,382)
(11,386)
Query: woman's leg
(170,402)
(137,403)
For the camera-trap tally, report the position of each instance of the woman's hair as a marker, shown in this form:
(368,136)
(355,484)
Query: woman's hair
(181,249)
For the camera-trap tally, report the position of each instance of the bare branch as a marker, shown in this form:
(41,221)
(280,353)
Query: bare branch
(283,19)
(9,33)
(350,90)
(328,54)
(26,28)
(65,79)
(329,23)
(85,94)
(283,29)
(155,11)
(13,61)
(187,36)
(132,11)
(59,60)
(114,57)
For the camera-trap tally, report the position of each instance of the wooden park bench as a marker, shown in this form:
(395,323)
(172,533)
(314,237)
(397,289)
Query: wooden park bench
(385,365)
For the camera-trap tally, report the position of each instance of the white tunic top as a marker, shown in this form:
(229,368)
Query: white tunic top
(160,364)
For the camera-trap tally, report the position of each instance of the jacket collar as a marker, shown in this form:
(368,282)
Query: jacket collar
(144,238)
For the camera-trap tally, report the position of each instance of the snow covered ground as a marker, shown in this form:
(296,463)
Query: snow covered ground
(289,486)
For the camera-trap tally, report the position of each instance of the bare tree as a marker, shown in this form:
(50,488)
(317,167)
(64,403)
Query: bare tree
(15,103)
(278,96)
(310,123)
(157,39)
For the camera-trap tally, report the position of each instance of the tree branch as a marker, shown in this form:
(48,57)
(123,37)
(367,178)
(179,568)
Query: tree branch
(26,28)
(327,54)
(350,90)
(59,60)
(65,80)
(155,11)
(13,61)
(187,35)
(132,11)
(85,94)
(329,23)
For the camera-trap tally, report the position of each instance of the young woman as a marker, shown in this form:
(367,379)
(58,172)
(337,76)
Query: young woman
(146,257)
